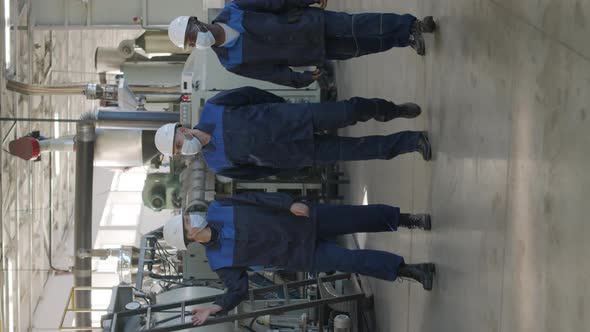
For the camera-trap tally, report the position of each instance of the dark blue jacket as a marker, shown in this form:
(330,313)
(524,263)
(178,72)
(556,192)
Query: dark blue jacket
(274,34)
(255,134)
(256,229)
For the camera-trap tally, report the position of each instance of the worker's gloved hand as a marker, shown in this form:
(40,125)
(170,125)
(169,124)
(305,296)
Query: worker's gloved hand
(316,74)
(300,210)
(323,3)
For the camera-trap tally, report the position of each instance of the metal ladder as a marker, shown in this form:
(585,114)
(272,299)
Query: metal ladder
(356,298)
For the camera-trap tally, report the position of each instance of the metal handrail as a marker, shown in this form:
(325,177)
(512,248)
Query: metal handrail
(71,307)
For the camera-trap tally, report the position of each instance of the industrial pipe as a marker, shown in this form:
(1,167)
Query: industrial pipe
(85,137)
(34,89)
(148,120)
(78,89)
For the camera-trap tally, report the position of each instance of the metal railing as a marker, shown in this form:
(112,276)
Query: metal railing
(72,308)
(288,305)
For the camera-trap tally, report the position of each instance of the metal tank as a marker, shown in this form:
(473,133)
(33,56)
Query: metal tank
(107,59)
(118,148)
(158,42)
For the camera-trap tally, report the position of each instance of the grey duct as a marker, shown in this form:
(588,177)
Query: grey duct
(85,138)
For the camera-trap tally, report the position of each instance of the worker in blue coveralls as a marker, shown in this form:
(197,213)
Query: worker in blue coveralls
(248,133)
(262,39)
(274,229)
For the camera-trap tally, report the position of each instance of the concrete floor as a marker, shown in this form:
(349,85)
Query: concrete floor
(504,89)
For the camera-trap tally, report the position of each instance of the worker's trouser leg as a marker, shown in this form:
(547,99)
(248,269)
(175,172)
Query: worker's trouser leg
(349,36)
(331,149)
(340,114)
(336,220)
(329,256)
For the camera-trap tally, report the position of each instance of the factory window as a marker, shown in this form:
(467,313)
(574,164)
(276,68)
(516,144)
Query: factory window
(122,210)
(129,180)
(111,237)
(104,266)
(121,214)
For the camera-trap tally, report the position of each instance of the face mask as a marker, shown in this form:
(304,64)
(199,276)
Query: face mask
(198,220)
(204,40)
(191,147)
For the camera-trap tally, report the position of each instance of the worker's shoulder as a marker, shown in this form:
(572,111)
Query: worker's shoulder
(212,107)
(220,204)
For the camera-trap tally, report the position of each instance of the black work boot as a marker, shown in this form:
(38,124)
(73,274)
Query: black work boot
(415,221)
(422,273)
(425,25)
(417,42)
(409,110)
(424,146)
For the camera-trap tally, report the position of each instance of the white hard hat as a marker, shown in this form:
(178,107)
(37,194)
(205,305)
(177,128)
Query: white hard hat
(177,30)
(165,138)
(174,232)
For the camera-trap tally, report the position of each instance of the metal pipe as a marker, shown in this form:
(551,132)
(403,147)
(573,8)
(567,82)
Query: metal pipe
(99,253)
(147,120)
(83,216)
(38,119)
(78,89)
(65,143)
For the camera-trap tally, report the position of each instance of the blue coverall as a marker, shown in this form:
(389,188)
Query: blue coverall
(277,34)
(255,133)
(258,229)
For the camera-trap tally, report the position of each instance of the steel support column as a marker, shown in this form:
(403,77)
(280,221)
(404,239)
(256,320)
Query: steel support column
(85,138)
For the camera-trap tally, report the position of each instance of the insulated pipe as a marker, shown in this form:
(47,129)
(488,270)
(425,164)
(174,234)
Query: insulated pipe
(85,137)
(65,143)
